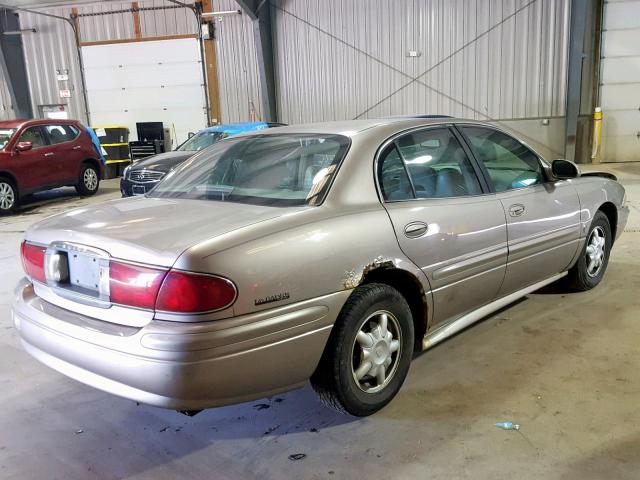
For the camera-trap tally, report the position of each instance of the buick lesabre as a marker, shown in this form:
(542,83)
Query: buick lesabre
(327,252)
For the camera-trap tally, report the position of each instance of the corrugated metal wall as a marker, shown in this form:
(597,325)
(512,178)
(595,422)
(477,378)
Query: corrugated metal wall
(53,49)
(336,59)
(237,65)
(49,51)
(503,59)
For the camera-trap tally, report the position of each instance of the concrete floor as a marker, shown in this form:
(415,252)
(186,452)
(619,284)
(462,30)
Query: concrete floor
(563,366)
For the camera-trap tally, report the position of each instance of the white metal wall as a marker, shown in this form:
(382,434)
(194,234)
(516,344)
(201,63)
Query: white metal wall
(153,81)
(620,81)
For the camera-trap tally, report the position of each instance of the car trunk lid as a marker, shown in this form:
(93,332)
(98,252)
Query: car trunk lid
(142,230)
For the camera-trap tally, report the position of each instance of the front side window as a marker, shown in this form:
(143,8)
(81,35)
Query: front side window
(436,163)
(200,141)
(61,133)
(272,170)
(5,136)
(509,163)
(33,135)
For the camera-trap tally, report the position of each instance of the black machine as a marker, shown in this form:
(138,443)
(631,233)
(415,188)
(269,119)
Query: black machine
(153,138)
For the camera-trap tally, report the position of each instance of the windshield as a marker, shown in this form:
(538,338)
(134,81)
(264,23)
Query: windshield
(274,170)
(200,141)
(5,136)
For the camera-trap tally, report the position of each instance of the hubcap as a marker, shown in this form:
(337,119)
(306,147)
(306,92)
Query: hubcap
(90,179)
(376,351)
(595,252)
(7,196)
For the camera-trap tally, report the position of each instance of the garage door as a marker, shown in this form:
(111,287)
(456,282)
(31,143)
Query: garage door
(620,82)
(152,81)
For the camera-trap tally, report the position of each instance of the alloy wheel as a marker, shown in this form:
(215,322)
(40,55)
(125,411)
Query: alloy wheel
(7,196)
(90,179)
(375,352)
(595,251)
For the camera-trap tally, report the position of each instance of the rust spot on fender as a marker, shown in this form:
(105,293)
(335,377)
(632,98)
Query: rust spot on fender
(352,278)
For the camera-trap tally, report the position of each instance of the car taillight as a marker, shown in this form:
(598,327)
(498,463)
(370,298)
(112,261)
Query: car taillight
(33,261)
(184,292)
(134,285)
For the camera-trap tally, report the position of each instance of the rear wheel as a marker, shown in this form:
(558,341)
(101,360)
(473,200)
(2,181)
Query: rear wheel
(594,258)
(369,352)
(8,196)
(89,180)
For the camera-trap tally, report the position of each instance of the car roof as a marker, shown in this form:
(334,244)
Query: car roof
(351,128)
(35,121)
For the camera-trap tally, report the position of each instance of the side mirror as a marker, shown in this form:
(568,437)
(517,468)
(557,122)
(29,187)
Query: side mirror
(191,134)
(24,146)
(563,169)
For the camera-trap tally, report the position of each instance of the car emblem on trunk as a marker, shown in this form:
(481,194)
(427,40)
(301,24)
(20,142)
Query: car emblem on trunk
(272,298)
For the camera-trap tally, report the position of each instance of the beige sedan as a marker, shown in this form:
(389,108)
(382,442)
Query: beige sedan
(330,252)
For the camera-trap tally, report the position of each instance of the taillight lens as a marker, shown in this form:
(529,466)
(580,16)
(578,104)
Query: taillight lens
(33,261)
(184,292)
(134,285)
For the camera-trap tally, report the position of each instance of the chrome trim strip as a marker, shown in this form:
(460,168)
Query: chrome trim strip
(451,328)
(470,277)
(542,252)
(469,261)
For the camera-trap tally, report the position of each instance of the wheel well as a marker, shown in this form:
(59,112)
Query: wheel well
(92,162)
(411,290)
(610,210)
(9,177)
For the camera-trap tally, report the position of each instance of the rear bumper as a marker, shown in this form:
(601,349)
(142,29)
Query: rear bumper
(183,366)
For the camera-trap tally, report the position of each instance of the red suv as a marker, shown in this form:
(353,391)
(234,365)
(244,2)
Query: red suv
(38,155)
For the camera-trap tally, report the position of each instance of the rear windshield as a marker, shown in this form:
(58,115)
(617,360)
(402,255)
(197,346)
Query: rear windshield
(274,170)
(200,141)
(5,136)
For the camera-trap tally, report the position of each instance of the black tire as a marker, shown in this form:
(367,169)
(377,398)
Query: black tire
(581,277)
(9,196)
(334,380)
(89,180)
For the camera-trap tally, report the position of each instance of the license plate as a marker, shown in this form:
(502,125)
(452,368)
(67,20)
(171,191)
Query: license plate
(138,189)
(84,271)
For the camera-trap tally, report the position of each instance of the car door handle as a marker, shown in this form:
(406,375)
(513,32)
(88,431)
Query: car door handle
(77,147)
(49,154)
(415,229)
(516,210)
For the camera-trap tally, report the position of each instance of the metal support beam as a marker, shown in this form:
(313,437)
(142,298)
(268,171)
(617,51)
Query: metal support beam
(12,66)
(259,12)
(574,76)
(582,77)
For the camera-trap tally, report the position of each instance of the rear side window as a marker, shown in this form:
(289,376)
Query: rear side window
(427,164)
(61,133)
(33,135)
(394,180)
(509,163)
